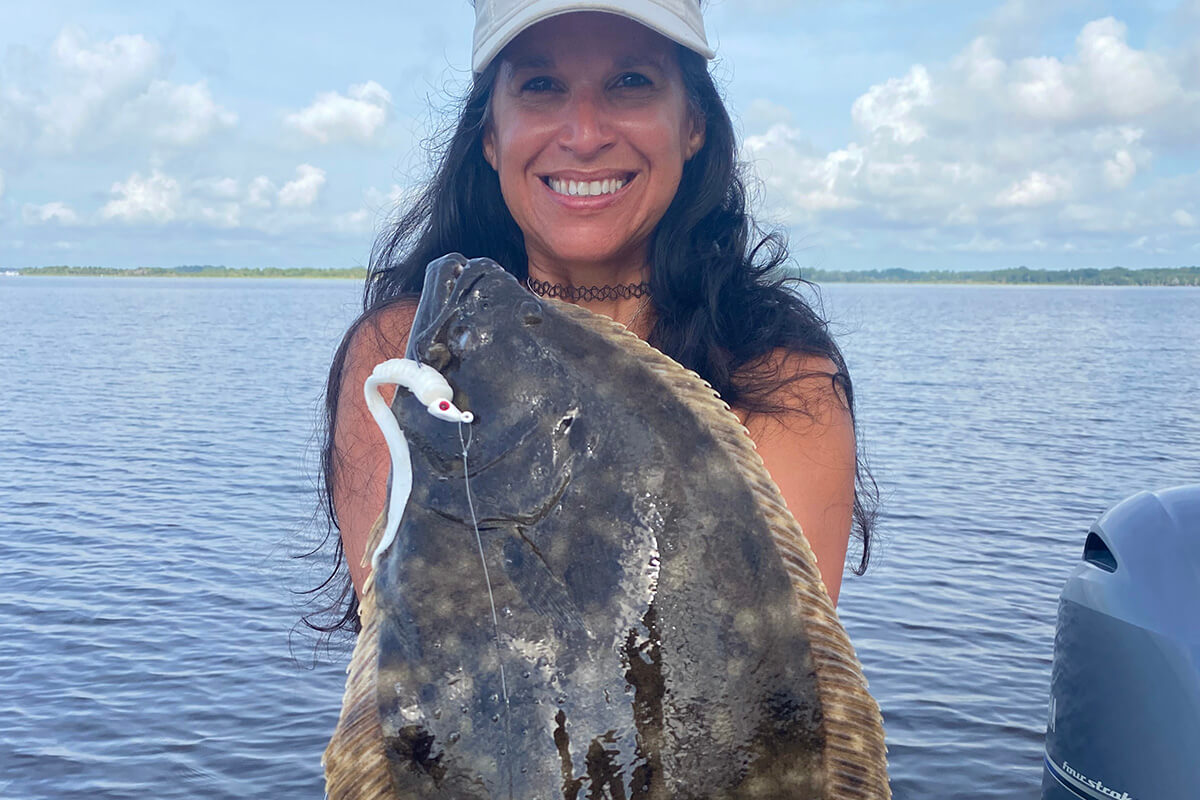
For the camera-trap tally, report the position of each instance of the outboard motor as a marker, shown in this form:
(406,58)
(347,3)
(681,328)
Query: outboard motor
(1125,693)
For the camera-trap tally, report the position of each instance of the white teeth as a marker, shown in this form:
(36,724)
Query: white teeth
(586,188)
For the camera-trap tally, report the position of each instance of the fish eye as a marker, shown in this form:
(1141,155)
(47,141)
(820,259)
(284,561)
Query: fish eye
(530,312)
(564,425)
(460,337)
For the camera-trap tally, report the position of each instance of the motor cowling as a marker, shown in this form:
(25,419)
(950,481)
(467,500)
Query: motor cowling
(1124,716)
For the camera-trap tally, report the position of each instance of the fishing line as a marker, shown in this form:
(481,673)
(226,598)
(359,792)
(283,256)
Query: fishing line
(432,391)
(466,445)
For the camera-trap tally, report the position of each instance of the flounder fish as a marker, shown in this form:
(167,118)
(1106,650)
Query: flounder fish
(605,597)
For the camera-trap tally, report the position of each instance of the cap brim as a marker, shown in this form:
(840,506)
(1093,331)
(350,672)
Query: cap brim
(651,15)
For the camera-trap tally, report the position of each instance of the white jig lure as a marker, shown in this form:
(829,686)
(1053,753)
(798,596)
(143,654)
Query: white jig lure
(432,391)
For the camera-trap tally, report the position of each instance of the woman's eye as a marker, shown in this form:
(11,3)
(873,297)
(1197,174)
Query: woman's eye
(632,80)
(542,84)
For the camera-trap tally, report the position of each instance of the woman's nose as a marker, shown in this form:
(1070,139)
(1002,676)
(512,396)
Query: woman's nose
(587,129)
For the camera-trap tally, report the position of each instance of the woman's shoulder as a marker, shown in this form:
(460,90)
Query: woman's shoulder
(785,382)
(788,363)
(380,334)
(374,338)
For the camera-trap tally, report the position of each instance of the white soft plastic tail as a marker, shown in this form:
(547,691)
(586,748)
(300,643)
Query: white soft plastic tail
(432,391)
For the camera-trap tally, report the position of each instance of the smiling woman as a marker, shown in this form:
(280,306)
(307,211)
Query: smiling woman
(594,159)
(590,129)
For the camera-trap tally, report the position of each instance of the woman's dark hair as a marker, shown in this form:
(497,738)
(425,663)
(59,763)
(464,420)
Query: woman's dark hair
(723,305)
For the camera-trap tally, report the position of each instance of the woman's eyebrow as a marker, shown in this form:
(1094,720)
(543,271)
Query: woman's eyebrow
(632,60)
(531,62)
(638,60)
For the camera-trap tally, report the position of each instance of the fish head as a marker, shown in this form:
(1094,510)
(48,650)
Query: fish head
(501,349)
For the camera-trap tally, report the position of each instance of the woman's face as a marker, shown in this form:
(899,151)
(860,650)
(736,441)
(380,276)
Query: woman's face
(589,133)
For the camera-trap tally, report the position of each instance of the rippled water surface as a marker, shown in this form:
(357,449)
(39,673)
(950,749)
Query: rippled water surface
(156,473)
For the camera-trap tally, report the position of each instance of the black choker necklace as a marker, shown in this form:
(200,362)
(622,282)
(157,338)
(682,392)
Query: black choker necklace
(576,293)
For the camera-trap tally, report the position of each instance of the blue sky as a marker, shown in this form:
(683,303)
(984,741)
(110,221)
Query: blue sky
(913,134)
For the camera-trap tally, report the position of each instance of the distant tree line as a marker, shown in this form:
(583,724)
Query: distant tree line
(203,271)
(1112,276)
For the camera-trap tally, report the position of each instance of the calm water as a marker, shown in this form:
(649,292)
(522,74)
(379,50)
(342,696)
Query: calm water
(156,473)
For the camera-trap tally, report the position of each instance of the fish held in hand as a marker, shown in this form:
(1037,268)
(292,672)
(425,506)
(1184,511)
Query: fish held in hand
(595,589)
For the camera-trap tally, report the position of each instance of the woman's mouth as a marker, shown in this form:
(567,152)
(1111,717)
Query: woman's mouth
(586,188)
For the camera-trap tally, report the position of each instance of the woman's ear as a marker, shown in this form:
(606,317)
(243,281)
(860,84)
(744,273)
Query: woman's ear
(489,145)
(696,136)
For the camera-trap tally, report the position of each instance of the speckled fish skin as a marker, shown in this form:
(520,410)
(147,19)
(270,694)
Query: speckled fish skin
(650,636)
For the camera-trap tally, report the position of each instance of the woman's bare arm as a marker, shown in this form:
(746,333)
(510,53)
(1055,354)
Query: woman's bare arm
(810,452)
(360,455)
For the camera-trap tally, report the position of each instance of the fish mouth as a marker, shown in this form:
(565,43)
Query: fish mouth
(447,281)
(436,340)
(450,464)
(527,517)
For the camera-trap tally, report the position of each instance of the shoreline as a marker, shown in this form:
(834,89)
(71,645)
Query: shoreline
(1173,277)
(358,273)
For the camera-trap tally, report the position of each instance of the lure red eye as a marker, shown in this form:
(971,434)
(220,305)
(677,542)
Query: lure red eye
(444,405)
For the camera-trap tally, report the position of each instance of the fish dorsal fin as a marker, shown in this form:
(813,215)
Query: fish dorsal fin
(855,753)
(356,765)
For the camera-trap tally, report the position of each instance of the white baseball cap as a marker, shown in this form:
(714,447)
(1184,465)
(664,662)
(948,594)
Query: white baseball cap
(498,22)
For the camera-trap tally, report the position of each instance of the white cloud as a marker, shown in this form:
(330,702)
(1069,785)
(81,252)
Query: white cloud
(804,180)
(220,202)
(1119,170)
(1089,218)
(1038,189)
(1183,219)
(891,107)
(218,188)
(378,207)
(303,191)
(260,193)
(1117,81)
(152,199)
(395,197)
(981,150)
(56,212)
(179,115)
(92,79)
(1106,81)
(1150,244)
(223,215)
(982,244)
(1129,155)
(356,116)
(86,96)
(359,221)
(156,198)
